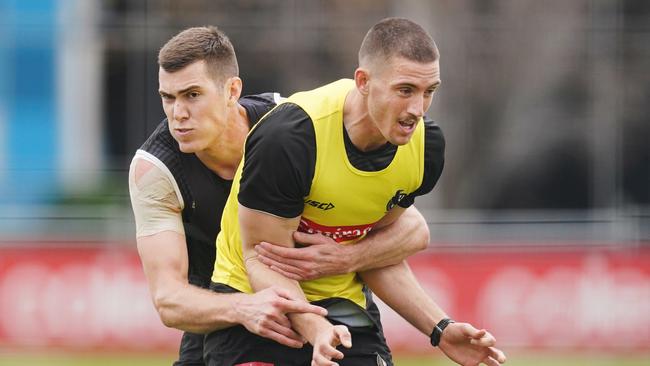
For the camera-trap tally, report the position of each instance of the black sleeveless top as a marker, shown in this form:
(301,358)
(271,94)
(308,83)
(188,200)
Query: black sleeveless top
(204,192)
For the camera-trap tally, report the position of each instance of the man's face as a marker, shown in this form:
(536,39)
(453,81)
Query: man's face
(195,106)
(399,93)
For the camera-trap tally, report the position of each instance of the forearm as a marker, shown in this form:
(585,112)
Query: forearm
(398,288)
(391,244)
(256,226)
(261,277)
(197,310)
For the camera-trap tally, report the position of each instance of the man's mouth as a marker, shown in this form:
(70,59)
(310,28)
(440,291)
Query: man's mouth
(408,124)
(183,131)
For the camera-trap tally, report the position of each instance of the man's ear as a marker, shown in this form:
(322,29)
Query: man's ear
(361,79)
(233,88)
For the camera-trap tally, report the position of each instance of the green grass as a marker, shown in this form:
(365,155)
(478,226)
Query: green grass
(10,358)
(90,359)
(542,359)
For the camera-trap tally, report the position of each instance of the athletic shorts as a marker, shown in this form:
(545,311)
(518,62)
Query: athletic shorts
(237,346)
(191,350)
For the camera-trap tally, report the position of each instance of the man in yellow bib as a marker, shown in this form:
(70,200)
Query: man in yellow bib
(341,160)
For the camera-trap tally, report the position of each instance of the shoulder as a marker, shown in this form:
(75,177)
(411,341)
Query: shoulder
(433,136)
(258,105)
(279,160)
(151,177)
(265,99)
(286,122)
(155,199)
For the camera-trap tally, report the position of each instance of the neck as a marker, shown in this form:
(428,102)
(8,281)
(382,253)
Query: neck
(362,131)
(224,155)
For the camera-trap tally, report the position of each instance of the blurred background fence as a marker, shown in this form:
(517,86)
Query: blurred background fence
(542,214)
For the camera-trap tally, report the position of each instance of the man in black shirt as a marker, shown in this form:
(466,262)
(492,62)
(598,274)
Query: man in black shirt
(179,181)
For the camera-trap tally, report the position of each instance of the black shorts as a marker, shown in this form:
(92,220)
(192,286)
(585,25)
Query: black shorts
(237,346)
(191,350)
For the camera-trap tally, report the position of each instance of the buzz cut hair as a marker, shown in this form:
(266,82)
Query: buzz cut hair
(397,37)
(207,44)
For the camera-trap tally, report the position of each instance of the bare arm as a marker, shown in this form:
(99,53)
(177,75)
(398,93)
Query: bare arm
(461,342)
(165,262)
(322,256)
(180,304)
(398,288)
(257,226)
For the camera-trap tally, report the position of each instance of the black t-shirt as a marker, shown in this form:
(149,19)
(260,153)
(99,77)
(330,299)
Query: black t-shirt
(204,192)
(280,159)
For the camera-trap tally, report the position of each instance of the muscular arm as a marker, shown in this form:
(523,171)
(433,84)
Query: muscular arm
(398,288)
(391,244)
(256,226)
(179,304)
(163,252)
(322,256)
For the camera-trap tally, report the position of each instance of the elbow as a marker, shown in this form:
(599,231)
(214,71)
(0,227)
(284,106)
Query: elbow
(422,237)
(168,319)
(166,312)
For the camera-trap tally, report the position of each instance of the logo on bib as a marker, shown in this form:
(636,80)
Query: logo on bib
(320,205)
(340,234)
(397,198)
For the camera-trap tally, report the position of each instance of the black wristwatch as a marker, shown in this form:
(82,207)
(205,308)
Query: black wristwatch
(437,331)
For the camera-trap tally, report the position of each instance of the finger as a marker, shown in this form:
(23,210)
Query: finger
(344,335)
(321,359)
(331,352)
(284,293)
(281,338)
(497,354)
(281,319)
(309,239)
(291,275)
(290,303)
(284,252)
(300,306)
(294,268)
(268,253)
(469,331)
(284,330)
(324,362)
(489,361)
(486,339)
(289,272)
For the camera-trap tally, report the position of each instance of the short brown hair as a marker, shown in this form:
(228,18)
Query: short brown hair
(200,43)
(398,37)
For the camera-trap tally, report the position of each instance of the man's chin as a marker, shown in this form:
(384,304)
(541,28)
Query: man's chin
(401,140)
(187,148)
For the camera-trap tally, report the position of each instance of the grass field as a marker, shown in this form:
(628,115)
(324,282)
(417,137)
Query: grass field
(9,358)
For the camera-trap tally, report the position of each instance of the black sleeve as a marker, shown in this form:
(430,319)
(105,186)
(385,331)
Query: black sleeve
(257,105)
(279,162)
(434,161)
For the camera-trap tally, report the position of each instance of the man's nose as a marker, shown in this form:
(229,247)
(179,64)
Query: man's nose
(416,106)
(180,111)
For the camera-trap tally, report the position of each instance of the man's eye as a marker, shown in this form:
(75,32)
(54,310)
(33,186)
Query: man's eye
(193,94)
(405,91)
(429,92)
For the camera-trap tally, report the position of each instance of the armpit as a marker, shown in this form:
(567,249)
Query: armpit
(156,206)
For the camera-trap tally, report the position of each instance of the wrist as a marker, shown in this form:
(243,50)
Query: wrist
(436,335)
(237,304)
(309,325)
(352,258)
